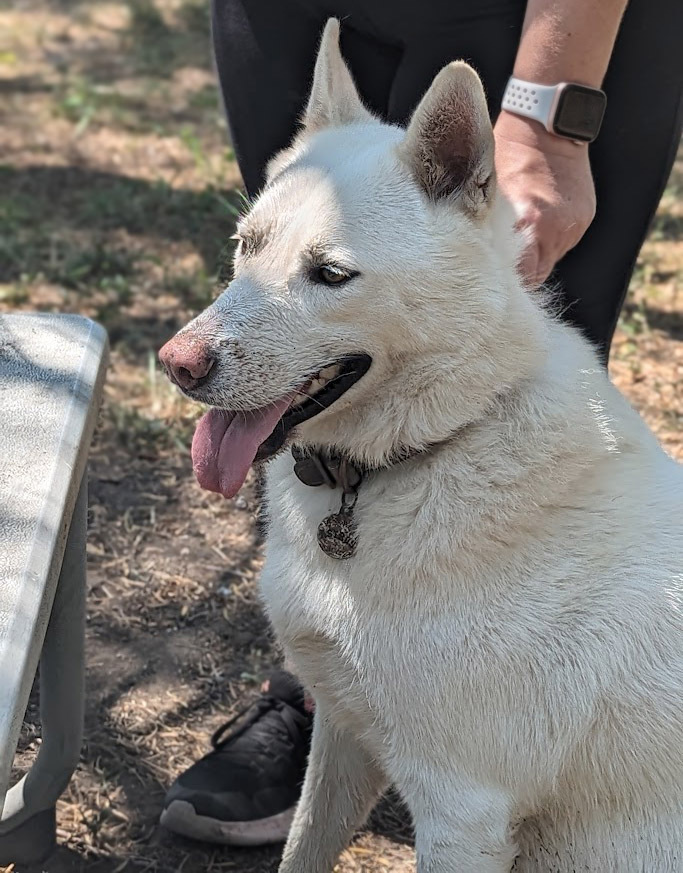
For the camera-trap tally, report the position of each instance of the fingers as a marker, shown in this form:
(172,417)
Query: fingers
(537,263)
(553,195)
(534,265)
(546,241)
(529,266)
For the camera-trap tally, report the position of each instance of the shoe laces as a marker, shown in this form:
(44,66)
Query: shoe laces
(295,722)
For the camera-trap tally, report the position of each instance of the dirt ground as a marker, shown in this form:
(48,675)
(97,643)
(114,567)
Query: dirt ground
(118,194)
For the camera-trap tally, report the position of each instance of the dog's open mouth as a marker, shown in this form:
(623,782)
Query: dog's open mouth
(227,443)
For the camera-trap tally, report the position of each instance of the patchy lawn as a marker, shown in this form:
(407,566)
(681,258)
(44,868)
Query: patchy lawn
(118,195)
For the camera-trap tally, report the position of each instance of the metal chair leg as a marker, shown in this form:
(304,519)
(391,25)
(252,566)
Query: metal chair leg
(27,825)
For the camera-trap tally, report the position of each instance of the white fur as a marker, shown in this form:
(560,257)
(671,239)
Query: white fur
(505,647)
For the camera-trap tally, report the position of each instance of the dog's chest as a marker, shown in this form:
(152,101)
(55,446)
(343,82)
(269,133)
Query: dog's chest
(336,648)
(310,594)
(332,616)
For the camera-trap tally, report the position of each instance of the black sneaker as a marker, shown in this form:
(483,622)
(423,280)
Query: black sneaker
(244,792)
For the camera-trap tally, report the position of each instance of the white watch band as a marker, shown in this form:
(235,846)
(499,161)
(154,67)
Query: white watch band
(531,100)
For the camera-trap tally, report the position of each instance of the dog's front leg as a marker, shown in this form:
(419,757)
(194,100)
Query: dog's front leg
(341,786)
(460,828)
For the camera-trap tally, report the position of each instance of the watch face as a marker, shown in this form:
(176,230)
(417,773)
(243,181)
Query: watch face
(579,112)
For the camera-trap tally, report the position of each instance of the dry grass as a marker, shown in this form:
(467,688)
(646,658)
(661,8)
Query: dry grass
(118,191)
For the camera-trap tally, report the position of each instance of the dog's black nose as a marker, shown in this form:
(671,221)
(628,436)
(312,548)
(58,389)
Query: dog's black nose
(187,360)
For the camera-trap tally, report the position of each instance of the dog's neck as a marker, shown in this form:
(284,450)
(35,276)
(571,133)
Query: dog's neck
(422,403)
(337,533)
(315,465)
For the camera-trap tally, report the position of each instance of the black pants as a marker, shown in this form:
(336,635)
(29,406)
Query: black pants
(265,51)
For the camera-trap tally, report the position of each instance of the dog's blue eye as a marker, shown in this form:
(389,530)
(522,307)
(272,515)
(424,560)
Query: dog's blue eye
(329,274)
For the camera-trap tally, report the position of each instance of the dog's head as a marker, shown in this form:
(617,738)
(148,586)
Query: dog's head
(375,303)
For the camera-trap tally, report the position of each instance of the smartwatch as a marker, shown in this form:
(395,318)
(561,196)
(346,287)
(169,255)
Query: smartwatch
(572,111)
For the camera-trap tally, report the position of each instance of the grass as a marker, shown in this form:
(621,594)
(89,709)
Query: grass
(103,243)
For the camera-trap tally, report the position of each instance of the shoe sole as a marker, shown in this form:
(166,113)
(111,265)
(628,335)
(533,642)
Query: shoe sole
(182,818)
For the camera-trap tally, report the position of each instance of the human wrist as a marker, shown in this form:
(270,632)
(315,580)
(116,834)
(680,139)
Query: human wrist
(546,69)
(531,133)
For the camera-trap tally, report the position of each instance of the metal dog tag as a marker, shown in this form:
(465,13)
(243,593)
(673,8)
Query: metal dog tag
(337,534)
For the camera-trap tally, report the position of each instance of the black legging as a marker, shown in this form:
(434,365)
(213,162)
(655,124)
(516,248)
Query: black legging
(265,51)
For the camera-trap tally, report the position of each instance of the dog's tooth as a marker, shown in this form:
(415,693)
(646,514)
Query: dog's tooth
(329,372)
(316,385)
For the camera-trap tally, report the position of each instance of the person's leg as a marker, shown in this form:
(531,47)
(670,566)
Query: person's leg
(265,53)
(631,159)
(487,40)
(264,57)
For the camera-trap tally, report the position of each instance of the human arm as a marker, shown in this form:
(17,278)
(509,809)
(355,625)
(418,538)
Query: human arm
(549,178)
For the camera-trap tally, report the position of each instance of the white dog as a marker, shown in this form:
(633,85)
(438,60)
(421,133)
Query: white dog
(493,622)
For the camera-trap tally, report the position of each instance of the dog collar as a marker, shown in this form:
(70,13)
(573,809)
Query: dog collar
(337,533)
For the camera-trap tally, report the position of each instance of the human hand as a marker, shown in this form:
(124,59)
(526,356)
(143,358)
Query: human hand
(549,181)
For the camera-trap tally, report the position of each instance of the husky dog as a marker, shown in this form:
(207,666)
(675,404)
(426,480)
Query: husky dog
(489,610)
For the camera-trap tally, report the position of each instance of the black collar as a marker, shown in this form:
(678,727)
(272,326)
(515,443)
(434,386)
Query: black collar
(325,467)
(317,466)
(337,534)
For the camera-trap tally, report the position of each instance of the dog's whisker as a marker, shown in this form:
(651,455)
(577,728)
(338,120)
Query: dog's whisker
(309,397)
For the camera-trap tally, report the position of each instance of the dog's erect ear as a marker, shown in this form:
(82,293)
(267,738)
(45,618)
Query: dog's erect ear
(449,141)
(334,100)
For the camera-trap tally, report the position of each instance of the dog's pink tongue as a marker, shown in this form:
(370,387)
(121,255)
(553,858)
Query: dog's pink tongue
(225,445)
